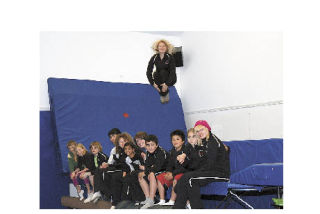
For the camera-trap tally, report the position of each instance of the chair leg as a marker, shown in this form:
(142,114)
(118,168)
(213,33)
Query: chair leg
(225,199)
(237,199)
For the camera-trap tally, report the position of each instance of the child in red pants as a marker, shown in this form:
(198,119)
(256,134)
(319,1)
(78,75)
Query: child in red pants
(174,169)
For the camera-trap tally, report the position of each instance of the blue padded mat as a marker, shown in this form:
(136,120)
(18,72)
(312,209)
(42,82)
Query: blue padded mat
(85,110)
(267,174)
(248,152)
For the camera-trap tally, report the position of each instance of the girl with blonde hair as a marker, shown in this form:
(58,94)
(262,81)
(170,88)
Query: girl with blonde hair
(165,73)
(73,163)
(84,167)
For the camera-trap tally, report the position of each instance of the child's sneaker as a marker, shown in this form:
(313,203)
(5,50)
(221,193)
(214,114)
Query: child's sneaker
(112,207)
(162,202)
(81,195)
(89,198)
(162,99)
(169,203)
(166,98)
(188,206)
(96,196)
(150,203)
(143,202)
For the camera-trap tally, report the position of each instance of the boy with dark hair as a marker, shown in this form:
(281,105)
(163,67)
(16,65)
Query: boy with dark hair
(103,186)
(155,163)
(175,169)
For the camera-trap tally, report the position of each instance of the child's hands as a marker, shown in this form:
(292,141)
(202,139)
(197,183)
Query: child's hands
(156,87)
(181,158)
(141,175)
(143,155)
(226,147)
(168,176)
(164,87)
(142,167)
(73,175)
(104,165)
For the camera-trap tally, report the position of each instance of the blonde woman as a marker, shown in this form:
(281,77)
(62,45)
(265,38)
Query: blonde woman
(164,74)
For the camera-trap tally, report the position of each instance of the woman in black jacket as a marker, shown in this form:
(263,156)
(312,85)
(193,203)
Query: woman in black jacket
(165,73)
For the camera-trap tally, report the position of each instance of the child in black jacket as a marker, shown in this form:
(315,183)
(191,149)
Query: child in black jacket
(115,170)
(155,164)
(131,189)
(165,73)
(175,169)
(98,158)
(85,166)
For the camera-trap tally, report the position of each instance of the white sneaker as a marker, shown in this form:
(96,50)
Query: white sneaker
(96,196)
(88,199)
(162,99)
(143,202)
(188,206)
(162,202)
(112,207)
(166,98)
(169,203)
(150,203)
(81,195)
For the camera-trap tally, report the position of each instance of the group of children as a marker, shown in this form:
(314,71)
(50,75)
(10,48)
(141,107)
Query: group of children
(138,168)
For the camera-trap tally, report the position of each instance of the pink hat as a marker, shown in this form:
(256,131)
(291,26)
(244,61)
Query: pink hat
(203,123)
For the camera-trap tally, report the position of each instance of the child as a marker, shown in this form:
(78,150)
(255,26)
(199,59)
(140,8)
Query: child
(115,168)
(98,157)
(214,166)
(113,133)
(165,73)
(155,164)
(131,189)
(174,169)
(73,162)
(139,139)
(85,166)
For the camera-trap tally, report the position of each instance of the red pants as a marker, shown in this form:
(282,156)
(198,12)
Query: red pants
(164,181)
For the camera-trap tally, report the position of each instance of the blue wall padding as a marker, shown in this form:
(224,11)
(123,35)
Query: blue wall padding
(85,111)
(53,184)
(248,152)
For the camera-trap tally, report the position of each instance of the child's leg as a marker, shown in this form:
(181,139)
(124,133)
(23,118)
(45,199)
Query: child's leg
(153,185)
(173,194)
(75,182)
(86,181)
(91,180)
(160,183)
(116,187)
(161,190)
(144,185)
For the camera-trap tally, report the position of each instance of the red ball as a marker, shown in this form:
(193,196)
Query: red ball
(125,115)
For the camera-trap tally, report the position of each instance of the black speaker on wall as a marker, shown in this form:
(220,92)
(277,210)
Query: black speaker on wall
(178,56)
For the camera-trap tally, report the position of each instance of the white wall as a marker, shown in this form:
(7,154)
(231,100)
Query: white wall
(103,56)
(222,71)
(227,70)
